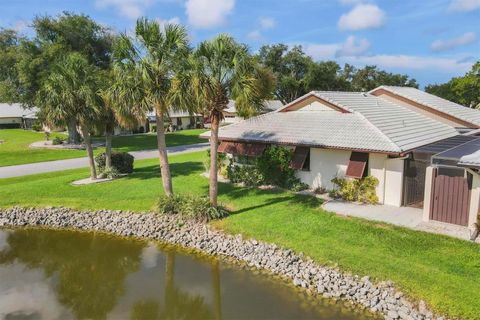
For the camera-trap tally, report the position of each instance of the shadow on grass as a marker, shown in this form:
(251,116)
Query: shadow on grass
(176,169)
(261,198)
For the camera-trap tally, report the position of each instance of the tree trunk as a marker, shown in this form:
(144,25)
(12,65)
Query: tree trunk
(88,146)
(213,160)
(108,145)
(162,152)
(73,135)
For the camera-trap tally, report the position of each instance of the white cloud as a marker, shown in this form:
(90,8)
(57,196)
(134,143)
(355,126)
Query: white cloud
(353,47)
(20,25)
(444,45)
(162,23)
(131,9)
(267,22)
(409,62)
(362,16)
(464,5)
(255,35)
(208,13)
(321,51)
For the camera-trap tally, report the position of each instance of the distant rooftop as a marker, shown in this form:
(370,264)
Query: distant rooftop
(15,110)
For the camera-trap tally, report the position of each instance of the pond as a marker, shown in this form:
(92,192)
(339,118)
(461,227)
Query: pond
(51,274)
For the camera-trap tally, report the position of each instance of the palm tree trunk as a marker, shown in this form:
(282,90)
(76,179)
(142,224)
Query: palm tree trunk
(162,152)
(73,136)
(108,145)
(213,160)
(88,146)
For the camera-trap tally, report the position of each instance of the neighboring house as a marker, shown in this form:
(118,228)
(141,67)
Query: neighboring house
(180,120)
(391,133)
(15,116)
(231,116)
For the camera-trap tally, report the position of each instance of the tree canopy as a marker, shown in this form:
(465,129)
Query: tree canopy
(297,73)
(463,90)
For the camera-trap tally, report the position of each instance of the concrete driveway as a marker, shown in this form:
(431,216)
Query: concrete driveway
(59,165)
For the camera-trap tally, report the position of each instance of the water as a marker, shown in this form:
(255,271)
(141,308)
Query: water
(47,274)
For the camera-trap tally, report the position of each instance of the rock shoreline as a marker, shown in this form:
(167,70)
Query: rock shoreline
(380,298)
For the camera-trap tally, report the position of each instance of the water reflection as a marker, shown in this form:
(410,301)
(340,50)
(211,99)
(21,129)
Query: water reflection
(47,274)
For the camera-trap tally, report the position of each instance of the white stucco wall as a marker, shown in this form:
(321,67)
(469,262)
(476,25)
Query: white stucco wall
(376,168)
(10,120)
(325,164)
(393,182)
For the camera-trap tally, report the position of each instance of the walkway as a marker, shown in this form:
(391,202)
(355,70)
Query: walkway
(401,216)
(59,165)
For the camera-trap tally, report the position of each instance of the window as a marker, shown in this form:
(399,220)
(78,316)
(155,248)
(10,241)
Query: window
(179,121)
(301,159)
(357,165)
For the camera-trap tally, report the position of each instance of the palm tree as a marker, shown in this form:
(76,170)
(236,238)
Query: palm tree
(144,68)
(106,121)
(70,91)
(221,69)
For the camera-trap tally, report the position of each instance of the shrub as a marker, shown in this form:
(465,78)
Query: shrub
(320,190)
(274,165)
(222,163)
(249,175)
(37,126)
(121,161)
(299,186)
(190,207)
(58,140)
(362,190)
(111,173)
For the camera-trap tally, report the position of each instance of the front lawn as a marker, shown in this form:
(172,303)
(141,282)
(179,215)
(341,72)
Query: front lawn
(443,271)
(15,148)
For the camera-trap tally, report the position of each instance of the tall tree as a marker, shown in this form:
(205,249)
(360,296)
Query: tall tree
(69,92)
(224,69)
(370,77)
(54,38)
(9,55)
(464,90)
(144,68)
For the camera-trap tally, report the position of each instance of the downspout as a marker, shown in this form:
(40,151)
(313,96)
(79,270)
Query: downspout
(385,173)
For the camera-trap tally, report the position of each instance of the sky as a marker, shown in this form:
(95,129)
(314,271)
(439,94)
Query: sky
(430,40)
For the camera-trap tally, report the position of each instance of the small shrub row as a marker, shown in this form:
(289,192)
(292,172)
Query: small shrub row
(121,161)
(190,207)
(58,140)
(362,190)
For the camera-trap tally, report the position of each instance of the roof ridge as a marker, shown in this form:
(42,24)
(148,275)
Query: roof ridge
(365,119)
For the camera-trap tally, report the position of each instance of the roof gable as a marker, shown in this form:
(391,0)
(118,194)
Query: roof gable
(466,116)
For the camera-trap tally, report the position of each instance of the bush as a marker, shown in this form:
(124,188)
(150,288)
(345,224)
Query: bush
(121,161)
(57,140)
(190,207)
(222,163)
(110,173)
(37,126)
(272,167)
(249,175)
(362,190)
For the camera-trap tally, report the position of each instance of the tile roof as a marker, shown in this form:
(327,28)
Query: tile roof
(15,110)
(405,128)
(269,105)
(442,105)
(328,129)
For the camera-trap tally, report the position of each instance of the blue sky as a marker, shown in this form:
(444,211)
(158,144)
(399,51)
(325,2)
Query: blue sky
(431,40)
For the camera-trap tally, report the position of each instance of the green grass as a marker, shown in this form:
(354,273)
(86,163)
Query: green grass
(15,148)
(443,271)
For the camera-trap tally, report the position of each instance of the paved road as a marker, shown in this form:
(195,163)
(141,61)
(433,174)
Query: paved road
(59,165)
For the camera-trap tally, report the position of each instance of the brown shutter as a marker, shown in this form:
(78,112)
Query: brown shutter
(299,157)
(357,164)
(243,149)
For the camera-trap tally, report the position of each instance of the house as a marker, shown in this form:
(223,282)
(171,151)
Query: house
(180,120)
(15,116)
(231,116)
(395,134)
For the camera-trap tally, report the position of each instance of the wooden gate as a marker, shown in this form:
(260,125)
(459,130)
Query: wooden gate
(450,198)
(414,182)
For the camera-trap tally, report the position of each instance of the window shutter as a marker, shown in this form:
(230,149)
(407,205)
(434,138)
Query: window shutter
(357,164)
(242,149)
(299,157)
